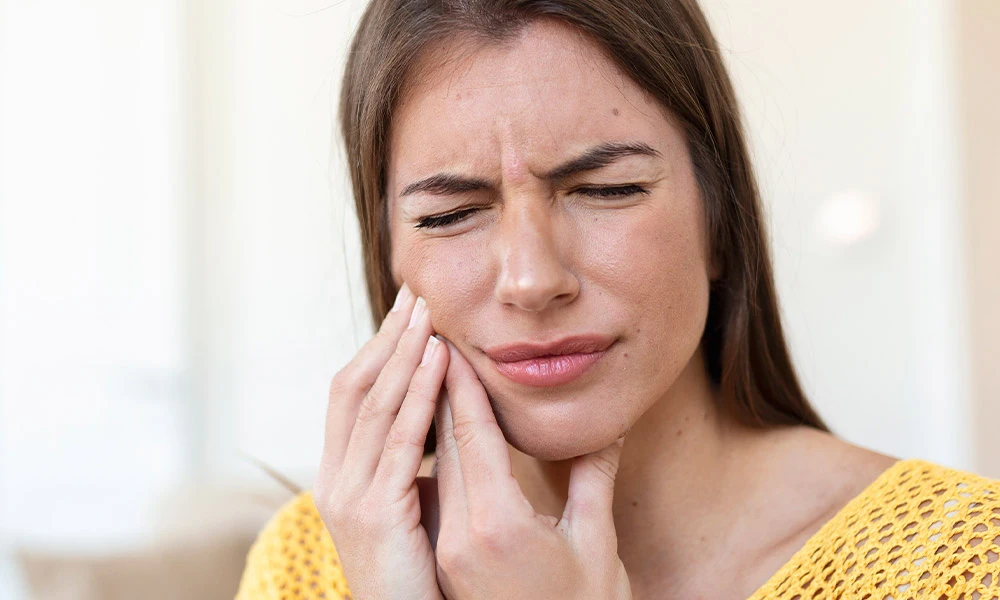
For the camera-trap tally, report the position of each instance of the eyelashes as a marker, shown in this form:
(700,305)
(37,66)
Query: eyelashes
(602,192)
(619,191)
(446,219)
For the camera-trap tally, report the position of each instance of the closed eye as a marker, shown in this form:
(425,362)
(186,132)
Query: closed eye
(616,191)
(445,219)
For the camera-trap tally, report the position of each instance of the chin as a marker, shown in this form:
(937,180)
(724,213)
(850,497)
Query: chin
(557,431)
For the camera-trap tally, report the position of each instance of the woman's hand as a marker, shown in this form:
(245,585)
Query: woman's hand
(381,407)
(492,544)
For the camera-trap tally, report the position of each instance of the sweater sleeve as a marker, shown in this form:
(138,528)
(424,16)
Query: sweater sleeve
(293,558)
(965,540)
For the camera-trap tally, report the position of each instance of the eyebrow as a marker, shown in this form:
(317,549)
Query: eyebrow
(595,158)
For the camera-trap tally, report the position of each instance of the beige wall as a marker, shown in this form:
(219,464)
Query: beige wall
(979,49)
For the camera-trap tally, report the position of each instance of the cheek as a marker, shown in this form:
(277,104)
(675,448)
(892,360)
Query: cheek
(679,295)
(452,277)
(658,269)
(656,256)
(678,272)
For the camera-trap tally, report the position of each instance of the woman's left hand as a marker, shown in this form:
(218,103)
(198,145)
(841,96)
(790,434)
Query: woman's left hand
(492,543)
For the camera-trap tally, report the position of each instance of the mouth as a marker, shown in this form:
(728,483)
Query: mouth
(549,364)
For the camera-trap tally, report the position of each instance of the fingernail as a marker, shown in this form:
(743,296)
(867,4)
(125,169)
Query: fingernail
(402,295)
(418,313)
(432,344)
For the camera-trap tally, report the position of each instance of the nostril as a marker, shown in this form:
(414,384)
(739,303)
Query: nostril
(533,277)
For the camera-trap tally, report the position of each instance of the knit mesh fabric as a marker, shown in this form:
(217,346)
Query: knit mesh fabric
(294,558)
(920,530)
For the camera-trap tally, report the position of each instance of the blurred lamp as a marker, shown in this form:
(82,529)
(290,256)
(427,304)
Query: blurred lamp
(848,218)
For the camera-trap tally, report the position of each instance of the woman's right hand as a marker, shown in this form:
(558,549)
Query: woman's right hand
(381,407)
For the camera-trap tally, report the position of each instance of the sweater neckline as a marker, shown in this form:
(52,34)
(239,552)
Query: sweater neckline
(817,539)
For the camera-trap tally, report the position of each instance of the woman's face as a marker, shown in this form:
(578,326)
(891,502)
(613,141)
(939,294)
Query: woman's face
(574,212)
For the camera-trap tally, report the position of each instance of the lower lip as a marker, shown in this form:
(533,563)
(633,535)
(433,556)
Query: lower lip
(546,371)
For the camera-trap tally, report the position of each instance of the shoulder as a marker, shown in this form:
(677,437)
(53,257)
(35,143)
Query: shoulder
(919,527)
(293,557)
(886,523)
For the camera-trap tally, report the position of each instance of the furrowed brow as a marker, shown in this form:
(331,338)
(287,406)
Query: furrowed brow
(600,156)
(445,185)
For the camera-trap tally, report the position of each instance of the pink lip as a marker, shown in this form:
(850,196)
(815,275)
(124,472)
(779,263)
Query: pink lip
(549,364)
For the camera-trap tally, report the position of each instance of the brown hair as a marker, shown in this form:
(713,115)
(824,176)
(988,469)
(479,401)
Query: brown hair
(667,48)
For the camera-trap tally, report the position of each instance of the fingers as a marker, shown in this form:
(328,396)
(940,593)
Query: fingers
(451,488)
(351,384)
(380,406)
(591,493)
(404,445)
(482,452)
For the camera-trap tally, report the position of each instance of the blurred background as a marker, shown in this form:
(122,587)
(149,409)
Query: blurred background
(180,274)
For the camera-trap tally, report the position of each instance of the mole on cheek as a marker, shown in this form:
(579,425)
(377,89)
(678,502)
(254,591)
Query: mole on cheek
(614,111)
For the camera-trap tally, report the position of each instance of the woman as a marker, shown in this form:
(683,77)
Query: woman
(566,259)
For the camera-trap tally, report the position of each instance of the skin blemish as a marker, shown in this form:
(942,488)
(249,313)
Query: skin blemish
(635,503)
(678,433)
(615,112)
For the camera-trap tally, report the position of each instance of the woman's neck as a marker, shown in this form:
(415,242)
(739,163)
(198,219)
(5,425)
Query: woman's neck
(685,474)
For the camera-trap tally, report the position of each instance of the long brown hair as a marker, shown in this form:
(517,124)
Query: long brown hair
(667,48)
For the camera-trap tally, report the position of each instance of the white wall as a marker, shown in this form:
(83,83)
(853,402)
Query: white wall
(855,97)
(278,245)
(90,331)
(92,353)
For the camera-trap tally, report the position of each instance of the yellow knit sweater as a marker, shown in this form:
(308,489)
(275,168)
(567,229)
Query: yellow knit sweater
(919,530)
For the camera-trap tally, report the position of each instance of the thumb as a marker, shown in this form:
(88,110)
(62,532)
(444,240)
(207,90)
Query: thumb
(591,491)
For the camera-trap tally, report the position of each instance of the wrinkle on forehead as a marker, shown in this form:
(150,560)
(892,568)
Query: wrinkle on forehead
(463,74)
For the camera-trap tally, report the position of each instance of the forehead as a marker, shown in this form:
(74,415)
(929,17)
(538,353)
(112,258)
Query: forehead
(546,94)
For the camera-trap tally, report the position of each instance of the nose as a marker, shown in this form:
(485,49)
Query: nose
(533,275)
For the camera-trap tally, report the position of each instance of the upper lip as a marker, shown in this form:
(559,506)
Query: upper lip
(577,344)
